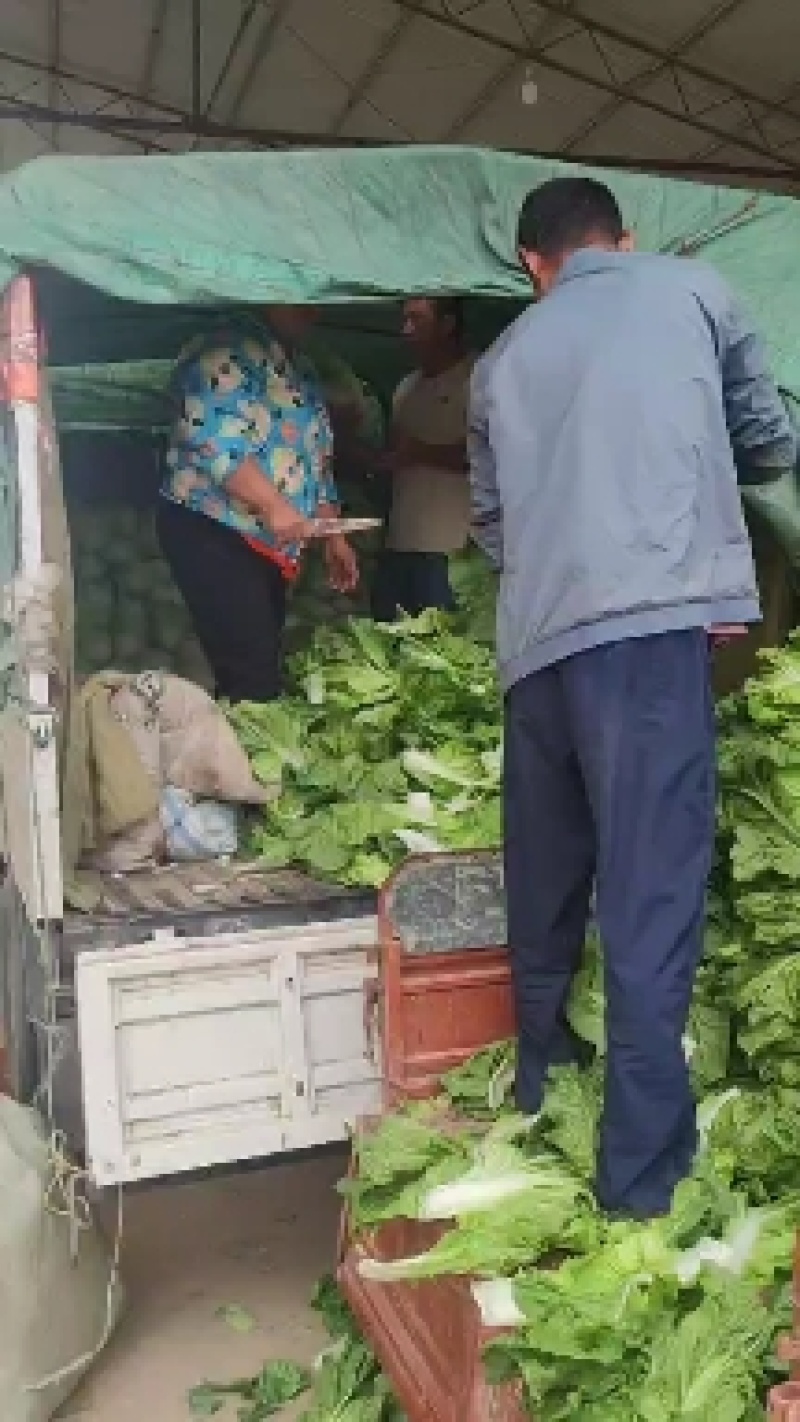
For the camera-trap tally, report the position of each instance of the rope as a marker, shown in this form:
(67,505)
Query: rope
(55,1039)
(70,1181)
(65,1194)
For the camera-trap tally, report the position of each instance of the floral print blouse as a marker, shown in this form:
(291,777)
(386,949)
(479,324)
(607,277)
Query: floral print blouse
(239,394)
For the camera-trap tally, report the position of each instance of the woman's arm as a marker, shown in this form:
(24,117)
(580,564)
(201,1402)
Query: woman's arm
(251,487)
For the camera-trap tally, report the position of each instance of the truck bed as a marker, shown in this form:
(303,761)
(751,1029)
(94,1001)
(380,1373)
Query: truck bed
(241,1036)
(204,899)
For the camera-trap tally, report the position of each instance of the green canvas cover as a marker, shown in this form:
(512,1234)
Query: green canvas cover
(343,227)
(126,395)
(352,225)
(134,396)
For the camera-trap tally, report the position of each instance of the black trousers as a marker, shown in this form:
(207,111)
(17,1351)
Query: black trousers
(236,600)
(609,769)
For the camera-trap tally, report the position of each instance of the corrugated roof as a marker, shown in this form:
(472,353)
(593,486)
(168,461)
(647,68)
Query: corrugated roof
(694,86)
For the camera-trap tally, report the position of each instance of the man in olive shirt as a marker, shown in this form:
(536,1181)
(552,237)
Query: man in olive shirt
(427,459)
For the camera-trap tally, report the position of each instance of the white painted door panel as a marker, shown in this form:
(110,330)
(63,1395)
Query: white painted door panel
(199,1052)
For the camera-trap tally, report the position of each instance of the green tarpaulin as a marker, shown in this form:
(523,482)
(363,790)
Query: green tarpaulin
(345,226)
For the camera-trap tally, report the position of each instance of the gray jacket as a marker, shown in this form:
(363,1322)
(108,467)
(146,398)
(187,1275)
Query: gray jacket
(608,428)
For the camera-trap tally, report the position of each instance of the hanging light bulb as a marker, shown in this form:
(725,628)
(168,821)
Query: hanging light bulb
(530,89)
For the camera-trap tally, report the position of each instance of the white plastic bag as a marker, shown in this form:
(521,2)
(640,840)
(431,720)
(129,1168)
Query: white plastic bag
(197,829)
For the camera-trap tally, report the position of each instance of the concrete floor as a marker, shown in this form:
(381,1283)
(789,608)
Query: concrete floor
(256,1239)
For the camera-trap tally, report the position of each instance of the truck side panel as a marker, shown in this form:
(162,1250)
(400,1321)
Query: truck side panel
(214,1050)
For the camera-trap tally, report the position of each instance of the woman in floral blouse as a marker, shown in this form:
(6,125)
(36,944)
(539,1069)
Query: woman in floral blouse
(249,467)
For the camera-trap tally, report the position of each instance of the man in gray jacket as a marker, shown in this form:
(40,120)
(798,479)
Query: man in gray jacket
(609,428)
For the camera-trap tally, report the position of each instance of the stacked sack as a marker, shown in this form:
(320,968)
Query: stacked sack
(129,613)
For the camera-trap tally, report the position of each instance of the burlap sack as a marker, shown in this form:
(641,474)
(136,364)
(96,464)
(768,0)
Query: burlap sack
(142,720)
(199,749)
(184,741)
(143,843)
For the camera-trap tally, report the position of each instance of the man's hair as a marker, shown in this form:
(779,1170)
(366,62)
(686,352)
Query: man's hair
(564,213)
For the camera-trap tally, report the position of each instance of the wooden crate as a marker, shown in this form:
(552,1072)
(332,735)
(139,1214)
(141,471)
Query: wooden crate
(427,1336)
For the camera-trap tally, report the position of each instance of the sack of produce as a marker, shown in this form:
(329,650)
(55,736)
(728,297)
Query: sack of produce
(59,1299)
(123,838)
(136,848)
(200,752)
(129,612)
(98,603)
(170,632)
(137,579)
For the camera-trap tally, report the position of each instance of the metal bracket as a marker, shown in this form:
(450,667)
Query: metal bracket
(42,729)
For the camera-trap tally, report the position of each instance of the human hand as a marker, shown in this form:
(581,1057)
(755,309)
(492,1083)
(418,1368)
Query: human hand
(721,636)
(287,525)
(342,564)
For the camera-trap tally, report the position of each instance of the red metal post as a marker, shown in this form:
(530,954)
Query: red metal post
(19,343)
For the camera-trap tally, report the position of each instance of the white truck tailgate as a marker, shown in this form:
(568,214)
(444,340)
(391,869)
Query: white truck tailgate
(204,1051)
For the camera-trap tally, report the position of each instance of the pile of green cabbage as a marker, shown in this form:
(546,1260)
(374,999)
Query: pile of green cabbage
(129,615)
(603,1319)
(613,1321)
(758,873)
(389,745)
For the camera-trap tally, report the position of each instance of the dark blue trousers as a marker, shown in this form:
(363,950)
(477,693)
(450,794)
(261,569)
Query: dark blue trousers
(609,782)
(411,582)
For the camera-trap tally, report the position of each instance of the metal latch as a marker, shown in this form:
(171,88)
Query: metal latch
(41,726)
(373,1005)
